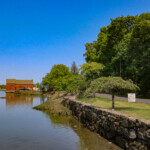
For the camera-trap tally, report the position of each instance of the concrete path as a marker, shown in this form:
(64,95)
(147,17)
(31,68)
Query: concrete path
(138,100)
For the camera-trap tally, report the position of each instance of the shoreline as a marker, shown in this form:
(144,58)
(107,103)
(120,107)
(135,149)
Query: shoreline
(54,105)
(57,104)
(121,129)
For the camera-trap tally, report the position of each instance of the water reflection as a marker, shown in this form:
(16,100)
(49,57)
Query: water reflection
(22,100)
(88,139)
(17,100)
(23,128)
(43,99)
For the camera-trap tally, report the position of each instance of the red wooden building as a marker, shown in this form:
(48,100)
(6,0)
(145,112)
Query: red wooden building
(12,85)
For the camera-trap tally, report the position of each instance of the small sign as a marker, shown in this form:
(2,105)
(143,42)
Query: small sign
(131,97)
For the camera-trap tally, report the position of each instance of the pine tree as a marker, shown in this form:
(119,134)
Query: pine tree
(74,68)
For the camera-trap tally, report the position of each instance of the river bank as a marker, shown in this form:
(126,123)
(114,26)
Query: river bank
(125,131)
(54,108)
(54,105)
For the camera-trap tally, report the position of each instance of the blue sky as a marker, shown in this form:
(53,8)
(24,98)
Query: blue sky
(36,34)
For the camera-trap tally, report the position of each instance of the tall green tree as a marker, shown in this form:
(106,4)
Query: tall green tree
(123,48)
(139,55)
(61,79)
(133,56)
(53,79)
(74,68)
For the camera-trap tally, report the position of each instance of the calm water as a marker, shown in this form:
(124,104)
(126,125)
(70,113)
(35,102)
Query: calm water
(22,128)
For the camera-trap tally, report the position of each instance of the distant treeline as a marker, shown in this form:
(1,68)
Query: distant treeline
(2,86)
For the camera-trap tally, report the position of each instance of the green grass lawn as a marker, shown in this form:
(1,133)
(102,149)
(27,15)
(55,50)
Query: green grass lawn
(134,109)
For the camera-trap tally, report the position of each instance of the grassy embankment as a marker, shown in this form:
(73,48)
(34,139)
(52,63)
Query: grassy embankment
(54,106)
(21,92)
(134,109)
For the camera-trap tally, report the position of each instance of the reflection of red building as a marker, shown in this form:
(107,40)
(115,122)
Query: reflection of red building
(12,84)
(18,100)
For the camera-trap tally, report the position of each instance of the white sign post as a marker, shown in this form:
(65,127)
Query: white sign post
(131,97)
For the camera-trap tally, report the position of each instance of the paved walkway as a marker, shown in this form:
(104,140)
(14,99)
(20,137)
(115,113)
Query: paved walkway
(138,100)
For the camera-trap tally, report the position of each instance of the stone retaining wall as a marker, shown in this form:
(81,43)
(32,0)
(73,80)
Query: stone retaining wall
(125,131)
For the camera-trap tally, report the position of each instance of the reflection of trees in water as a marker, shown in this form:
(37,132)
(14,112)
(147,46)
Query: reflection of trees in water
(18,100)
(43,99)
(88,140)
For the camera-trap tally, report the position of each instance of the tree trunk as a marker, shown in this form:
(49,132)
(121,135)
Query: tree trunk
(113,102)
(120,67)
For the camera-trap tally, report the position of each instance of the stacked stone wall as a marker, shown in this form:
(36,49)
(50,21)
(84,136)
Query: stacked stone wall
(127,132)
